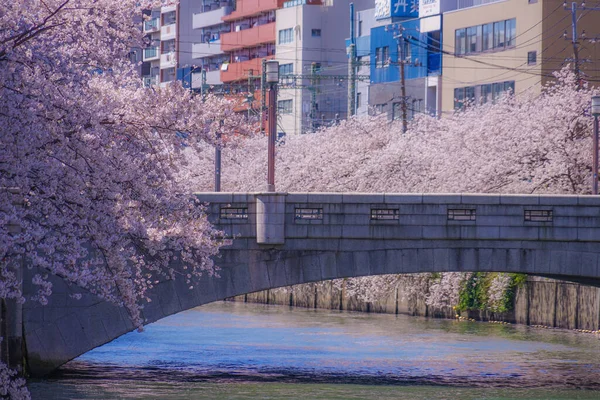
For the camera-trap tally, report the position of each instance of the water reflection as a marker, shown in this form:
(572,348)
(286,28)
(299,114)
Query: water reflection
(223,346)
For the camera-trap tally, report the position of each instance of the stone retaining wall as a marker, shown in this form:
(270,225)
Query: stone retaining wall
(540,301)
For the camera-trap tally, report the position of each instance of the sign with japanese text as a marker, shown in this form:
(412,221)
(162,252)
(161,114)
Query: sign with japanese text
(428,7)
(396,8)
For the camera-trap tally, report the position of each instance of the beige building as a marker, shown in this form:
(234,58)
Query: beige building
(492,46)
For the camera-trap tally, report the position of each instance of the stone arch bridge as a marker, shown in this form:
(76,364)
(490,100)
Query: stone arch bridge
(284,239)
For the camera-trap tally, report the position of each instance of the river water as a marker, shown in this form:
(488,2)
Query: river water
(251,351)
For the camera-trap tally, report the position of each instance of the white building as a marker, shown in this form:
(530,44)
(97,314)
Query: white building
(185,35)
(311,47)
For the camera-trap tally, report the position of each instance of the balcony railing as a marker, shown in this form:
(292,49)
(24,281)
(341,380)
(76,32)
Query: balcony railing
(151,53)
(150,81)
(152,26)
(248,37)
(168,60)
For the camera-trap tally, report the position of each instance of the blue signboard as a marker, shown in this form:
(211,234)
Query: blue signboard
(396,8)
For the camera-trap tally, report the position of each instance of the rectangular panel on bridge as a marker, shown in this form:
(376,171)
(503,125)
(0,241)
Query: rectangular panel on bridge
(462,214)
(538,215)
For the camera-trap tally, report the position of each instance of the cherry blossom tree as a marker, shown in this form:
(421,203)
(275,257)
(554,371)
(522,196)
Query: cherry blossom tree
(531,143)
(93,181)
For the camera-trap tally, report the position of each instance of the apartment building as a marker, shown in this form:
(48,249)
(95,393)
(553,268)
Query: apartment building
(498,45)
(184,39)
(313,63)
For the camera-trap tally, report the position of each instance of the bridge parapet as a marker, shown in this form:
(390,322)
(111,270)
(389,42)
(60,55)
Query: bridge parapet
(407,216)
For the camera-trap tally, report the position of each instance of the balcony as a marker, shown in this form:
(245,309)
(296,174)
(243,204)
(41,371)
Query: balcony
(151,53)
(201,50)
(150,80)
(152,26)
(239,71)
(212,78)
(247,8)
(248,37)
(209,18)
(168,32)
(168,60)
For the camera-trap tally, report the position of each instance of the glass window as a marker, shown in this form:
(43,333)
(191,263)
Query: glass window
(378,56)
(532,58)
(511,32)
(499,39)
(316,32)
(509,86)
(473,40)
(486,94)
(286,36)
(459,98)
(488,37)
(358,100)
(284,106)
(286,69)
(469,94)
(385,55)
(497,88)
(460,44)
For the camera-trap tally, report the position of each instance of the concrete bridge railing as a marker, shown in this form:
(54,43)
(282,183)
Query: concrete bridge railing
(283,239)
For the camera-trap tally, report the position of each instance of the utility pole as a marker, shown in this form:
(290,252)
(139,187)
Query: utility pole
(575,36)
(575,43)
(272,78)
(313,95)
(403,84)
(352,67)
(398,35)
(263,94)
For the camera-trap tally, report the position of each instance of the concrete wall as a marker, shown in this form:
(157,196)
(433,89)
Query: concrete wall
(540,301)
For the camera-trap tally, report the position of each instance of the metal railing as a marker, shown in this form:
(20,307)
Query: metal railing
(150,52)
(151,25)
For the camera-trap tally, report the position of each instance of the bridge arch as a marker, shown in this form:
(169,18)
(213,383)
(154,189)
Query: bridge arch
(288,239)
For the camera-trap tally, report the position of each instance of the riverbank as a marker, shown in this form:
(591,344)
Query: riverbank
(537,302)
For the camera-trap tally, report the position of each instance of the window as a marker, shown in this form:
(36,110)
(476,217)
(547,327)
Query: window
(474,39)
(485,94)
(460,39)
(386,55)
(459,98)
(470,94)
(493,36)
(499,39)
(359,30)
(481,94)
(316,32)
(358,100)
(488,37)
(532,58)
(286,69)
(396,111)
(285,106)
(381,56)
(286,36)
(511,32)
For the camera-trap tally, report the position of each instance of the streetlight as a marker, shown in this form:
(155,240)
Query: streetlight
(595,113)
(272,78)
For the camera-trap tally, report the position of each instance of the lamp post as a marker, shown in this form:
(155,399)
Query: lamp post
(596,114)
(272,78)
